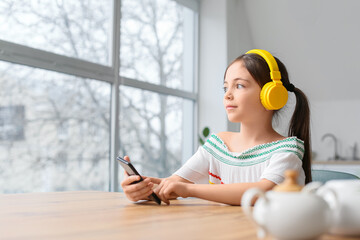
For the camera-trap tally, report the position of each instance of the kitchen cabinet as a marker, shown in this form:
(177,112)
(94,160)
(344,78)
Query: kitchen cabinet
(347,166)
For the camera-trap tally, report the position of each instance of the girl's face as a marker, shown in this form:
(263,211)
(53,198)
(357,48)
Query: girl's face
(242,95)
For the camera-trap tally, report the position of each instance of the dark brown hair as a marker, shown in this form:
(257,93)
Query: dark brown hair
(300,121)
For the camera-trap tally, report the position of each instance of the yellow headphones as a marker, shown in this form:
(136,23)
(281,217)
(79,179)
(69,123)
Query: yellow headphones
(273,94)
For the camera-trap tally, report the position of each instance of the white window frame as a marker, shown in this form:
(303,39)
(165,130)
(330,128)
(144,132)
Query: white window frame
(23,55)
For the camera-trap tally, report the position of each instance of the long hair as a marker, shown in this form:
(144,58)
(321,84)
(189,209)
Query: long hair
(300,120)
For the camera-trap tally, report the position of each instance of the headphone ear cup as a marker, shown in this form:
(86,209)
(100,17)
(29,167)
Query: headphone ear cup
(273,96)
(263,94)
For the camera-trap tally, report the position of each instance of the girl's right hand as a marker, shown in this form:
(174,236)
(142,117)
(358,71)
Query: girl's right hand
(137,191)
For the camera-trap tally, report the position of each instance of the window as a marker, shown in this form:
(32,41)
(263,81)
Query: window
(157,43)
(157,46)
(79,29)
(66,127)
(155,130)
(72,98)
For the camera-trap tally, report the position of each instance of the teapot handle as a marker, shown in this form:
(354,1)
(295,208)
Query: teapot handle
(328,194)
(246,203)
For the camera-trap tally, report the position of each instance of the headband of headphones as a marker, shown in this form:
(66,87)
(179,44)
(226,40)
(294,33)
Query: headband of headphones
(275,74)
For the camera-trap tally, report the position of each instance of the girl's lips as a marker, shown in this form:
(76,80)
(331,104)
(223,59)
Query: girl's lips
(230,107)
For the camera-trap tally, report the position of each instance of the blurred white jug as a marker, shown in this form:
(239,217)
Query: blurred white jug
(346,216)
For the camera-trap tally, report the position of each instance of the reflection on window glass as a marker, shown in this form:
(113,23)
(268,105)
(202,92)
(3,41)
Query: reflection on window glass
(12,123)
(54,131)
(157,39)
(80,29)
(152,130)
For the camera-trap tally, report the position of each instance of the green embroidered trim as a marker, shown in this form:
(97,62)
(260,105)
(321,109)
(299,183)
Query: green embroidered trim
(224,160)
(259,147)
(251,156)
(245,163)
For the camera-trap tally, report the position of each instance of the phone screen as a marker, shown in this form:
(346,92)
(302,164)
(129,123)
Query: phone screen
(130,169)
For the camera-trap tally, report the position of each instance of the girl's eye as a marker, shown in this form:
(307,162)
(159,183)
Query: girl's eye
(239,86)
(225,89)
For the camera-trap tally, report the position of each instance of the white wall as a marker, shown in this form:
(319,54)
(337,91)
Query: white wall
(318,40)
(219,45)
(212,62)
(236,19)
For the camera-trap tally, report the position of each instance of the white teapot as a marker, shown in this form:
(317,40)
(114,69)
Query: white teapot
(346,214)
(287,212)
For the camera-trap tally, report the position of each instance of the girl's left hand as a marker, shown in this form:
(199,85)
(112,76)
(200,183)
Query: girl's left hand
(169,189)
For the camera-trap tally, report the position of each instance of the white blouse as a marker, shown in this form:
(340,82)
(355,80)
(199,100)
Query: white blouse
(214,163)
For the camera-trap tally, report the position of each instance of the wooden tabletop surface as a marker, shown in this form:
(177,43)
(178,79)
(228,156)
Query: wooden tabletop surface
(105,215)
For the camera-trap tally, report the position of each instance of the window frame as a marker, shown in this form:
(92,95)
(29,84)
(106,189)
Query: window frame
(24,55)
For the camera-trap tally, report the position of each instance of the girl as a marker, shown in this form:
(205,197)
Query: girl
(257,156)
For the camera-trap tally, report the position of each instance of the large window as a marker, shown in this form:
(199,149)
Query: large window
(80,85)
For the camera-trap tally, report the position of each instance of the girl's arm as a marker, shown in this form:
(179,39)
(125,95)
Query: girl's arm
(223,193)
(176,178)
(227,193)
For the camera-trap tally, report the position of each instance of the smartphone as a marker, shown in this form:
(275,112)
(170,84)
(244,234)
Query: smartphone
(130,169)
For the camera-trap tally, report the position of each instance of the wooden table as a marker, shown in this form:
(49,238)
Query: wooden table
(105,215)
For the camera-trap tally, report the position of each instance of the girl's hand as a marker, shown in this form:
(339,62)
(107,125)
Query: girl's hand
(137,191)
(170,189)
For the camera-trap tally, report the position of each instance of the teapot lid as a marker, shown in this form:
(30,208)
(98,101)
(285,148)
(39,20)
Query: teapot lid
(290,183)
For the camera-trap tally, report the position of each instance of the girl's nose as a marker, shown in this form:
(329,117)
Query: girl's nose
(228,95)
